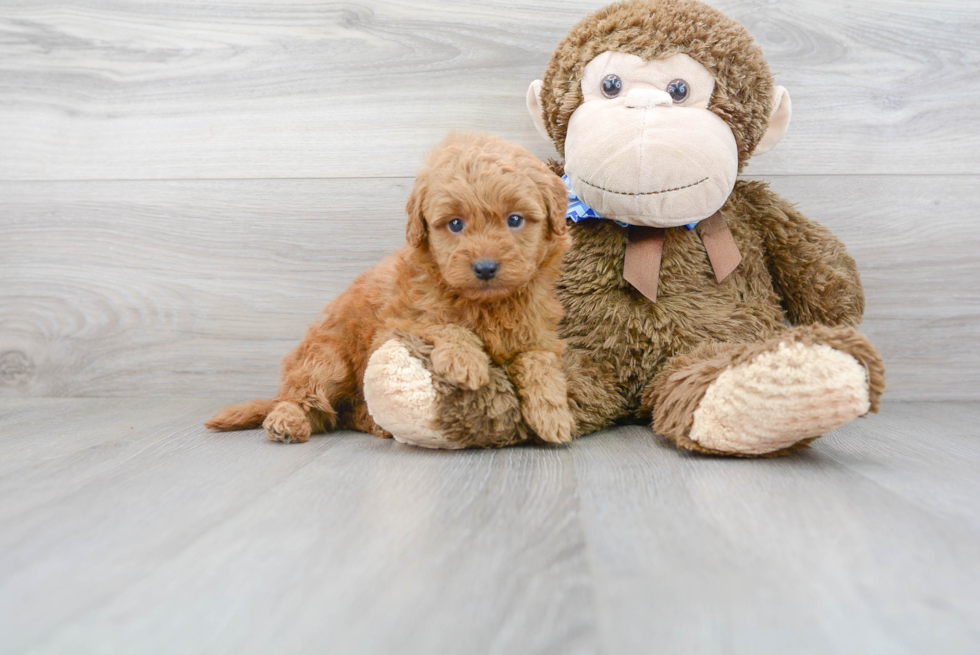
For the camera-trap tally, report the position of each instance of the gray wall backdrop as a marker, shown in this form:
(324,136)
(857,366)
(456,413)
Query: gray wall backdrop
(183,185)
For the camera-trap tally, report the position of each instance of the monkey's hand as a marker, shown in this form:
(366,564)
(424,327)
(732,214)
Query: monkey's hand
(408,399)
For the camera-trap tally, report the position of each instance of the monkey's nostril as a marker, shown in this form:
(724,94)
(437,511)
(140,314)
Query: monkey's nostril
(485,269)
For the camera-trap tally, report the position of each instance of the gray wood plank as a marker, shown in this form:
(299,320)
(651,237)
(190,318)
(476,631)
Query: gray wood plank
(166,539)
(174,540)
(29,437)
(126,89)
(217,274)
(935,469)
(804,554)
(199,287)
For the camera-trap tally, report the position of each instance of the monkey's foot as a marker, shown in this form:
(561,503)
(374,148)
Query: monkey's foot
(422,408)
(765,398)
(794,393)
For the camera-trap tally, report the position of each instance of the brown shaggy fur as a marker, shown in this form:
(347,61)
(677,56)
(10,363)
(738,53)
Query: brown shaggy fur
(492,416)
(428,293)
(620,345)
(675,393)
(627,358)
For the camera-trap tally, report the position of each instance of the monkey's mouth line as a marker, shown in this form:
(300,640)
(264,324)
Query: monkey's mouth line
(642,193)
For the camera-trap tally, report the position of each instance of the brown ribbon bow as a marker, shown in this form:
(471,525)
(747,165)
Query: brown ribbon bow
(645,248)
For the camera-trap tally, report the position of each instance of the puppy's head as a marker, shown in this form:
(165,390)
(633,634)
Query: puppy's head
(489,214)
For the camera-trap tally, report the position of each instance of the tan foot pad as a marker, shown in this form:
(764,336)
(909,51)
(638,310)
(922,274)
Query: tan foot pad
(401,398)
(779,398)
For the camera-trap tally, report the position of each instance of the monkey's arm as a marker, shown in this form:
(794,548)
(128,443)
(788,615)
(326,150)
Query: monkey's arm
(814,276)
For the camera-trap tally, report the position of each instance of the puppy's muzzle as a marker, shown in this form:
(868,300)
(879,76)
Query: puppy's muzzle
(485,269)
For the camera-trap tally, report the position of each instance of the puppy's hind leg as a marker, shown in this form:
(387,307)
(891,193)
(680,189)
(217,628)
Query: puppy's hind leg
(288,422)
(315,377)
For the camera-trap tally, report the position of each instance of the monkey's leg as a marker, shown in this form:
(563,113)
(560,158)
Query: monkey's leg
(594,394)
(766,398)
(421,407)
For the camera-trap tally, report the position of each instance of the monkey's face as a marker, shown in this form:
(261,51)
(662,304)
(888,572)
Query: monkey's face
(643,147)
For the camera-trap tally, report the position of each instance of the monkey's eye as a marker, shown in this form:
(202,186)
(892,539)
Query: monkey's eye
(515,221)
(456,225)
(678,90)
(611,86)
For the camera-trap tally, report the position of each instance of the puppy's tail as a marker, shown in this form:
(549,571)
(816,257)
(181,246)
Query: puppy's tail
(241,417)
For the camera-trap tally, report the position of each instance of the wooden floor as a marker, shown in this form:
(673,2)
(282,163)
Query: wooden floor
(126,528)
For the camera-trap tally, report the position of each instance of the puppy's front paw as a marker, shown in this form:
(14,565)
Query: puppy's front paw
(287,423)
(553,423)
(464,368)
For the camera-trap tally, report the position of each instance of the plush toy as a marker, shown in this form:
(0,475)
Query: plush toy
(681,279)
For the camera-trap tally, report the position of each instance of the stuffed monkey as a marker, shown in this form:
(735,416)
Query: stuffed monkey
(703,304)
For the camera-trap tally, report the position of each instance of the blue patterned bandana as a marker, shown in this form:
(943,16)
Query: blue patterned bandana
(579,211)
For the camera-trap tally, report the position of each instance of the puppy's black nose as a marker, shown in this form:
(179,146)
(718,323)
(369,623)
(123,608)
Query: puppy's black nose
(485,269)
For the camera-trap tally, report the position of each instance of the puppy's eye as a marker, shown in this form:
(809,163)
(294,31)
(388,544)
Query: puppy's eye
(515,221)
(456,225)
(611,86)
(678,90)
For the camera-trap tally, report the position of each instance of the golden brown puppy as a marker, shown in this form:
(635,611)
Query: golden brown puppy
(486,232)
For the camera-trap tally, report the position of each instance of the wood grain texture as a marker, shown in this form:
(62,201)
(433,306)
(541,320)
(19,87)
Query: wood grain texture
(200,287)
(860,545)
(107,283)
(130,90)
(126,528)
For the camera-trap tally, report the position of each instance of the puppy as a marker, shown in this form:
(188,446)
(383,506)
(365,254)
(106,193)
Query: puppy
(486,233)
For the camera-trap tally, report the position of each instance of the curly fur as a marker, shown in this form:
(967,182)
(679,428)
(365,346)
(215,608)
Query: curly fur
(628,359)
(428,289)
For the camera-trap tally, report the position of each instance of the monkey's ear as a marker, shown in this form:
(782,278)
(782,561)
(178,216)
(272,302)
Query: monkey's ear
(534,108)
(417,230)
(782,108)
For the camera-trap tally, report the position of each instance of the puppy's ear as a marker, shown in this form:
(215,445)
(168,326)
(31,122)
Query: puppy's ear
(556,198)
(416,231)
